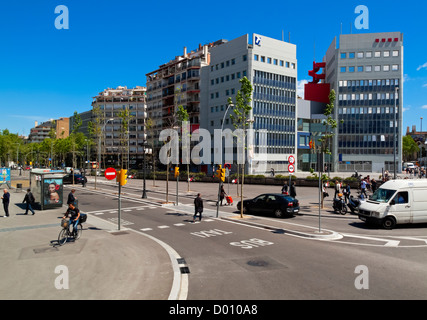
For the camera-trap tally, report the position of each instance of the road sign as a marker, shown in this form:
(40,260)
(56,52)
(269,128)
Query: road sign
(291,159)
(291,168)
(110,173)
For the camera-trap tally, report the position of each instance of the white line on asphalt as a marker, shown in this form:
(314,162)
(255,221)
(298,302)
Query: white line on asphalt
(163,227)
(179,224)
(146,229)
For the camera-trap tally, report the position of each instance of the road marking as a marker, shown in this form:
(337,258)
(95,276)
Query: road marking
(163,227)
(251,243)
(179,224)
(146,229)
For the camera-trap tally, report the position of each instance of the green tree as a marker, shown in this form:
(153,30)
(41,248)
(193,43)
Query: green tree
(409,148)
(242,110)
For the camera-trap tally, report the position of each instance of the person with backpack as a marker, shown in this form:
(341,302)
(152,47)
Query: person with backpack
(30,200)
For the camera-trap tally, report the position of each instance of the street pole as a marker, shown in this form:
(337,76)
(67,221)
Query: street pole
(120,205)
(177,182)
(320,187)
(395,134)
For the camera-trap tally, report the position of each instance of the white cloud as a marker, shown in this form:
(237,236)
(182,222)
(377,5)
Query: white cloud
(424,66)
(405,109)
(424,107)
(300,87)
(425,85)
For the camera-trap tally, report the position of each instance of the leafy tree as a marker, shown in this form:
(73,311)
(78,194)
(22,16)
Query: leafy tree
(409,147)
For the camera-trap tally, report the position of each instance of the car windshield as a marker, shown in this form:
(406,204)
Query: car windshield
(382,195)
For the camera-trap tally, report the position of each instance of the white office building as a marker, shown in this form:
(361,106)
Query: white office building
(271,67)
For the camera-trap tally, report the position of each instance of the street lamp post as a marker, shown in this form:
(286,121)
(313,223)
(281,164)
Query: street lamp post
(396,90)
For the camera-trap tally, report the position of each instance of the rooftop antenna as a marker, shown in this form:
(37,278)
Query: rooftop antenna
(341,28)
(283,35)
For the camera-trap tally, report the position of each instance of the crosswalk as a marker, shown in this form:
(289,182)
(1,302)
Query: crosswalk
(160,227)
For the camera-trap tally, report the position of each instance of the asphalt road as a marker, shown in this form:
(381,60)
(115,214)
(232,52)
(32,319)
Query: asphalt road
(226,259)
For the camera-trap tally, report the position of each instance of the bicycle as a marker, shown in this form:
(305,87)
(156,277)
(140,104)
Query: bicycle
(66,233)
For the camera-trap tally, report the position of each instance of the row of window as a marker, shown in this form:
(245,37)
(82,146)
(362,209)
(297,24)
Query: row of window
(385,68)
(370,54)
(368,148)
(227,63)
(228,77)
(368,83)
(275,61)
(367,110)
(367,96)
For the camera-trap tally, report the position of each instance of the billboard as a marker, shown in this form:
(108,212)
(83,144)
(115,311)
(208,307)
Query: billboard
(4,176)
(52,192)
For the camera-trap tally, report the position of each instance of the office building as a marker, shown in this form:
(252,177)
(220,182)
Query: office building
(366,72)
(271,67)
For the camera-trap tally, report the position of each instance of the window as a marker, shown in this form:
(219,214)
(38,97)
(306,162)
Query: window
(359,69)
(368,68)
(369,54)
(401,198)
(351,55)
(395,67)
(377,54)
(377,68)
(233,61)
(269,60)
(262,59)
(343,69)
(287,64)
(282,63)
(245,57)
(343,55)
(275,61)
(350,69)
(360,55)
(293,65)
(395,53)
(386,54)
(386,68)
(256,57)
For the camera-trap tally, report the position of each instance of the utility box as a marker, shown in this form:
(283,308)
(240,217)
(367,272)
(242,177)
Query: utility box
(47,187)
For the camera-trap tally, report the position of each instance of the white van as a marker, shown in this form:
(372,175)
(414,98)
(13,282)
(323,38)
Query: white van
(396,202)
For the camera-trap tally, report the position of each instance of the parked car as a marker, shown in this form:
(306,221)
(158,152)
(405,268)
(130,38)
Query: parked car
(277,204)
(78,178)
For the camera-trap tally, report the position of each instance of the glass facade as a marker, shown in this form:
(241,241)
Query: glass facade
(274,110)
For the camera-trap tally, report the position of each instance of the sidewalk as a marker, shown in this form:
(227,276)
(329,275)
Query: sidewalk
(136,266)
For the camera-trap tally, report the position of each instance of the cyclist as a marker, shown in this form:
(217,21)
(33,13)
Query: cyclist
(74,214)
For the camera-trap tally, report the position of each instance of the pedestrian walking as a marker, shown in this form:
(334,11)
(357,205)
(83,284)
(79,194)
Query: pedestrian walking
(292,190)
(198,207)
(222,194)
(363,188)
(29,199)
(285,189)
(71,198)
(6,200)
(337,188)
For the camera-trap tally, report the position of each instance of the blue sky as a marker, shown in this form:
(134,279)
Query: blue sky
(49,73)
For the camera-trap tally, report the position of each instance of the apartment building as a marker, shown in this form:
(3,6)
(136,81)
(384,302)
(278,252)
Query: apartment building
(366,72)
(120,147)
(176,83)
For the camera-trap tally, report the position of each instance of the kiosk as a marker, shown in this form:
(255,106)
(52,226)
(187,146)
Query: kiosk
(47,188)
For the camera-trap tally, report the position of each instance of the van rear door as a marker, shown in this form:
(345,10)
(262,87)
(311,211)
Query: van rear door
(419,205)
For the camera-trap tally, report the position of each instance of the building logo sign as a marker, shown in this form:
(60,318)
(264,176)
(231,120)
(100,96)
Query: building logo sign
(258,41)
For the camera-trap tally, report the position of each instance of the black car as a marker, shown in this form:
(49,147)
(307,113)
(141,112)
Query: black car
(279,205)
(78,178)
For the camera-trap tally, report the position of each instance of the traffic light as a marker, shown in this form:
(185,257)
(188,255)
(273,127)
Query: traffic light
(176,174)
(122,177)
(222,175)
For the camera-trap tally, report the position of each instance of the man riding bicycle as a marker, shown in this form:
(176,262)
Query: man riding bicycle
(74,214)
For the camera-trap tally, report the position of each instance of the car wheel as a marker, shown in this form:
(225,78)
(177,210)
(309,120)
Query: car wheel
(389,223)
(278,213)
